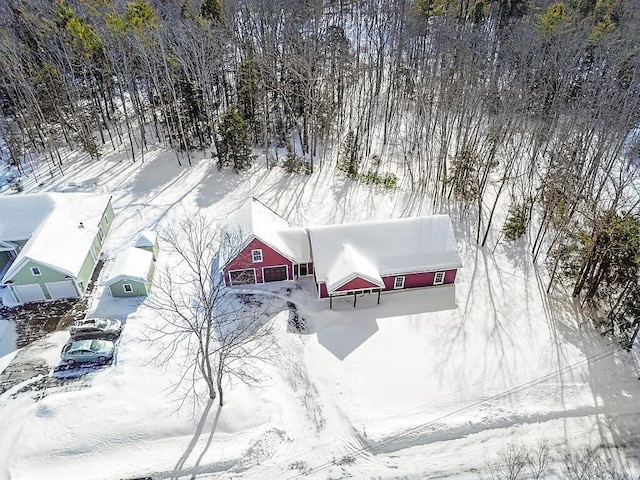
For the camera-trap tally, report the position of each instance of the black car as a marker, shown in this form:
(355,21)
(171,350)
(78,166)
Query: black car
(89,328)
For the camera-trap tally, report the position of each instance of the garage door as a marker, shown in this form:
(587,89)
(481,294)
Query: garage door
(64,289)
(275,274)
(29,293)
(243,277)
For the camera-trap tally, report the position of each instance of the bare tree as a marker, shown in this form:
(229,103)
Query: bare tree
(222,332)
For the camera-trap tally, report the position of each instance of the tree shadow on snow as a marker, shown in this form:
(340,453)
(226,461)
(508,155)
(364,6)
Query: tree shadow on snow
(179,471)
(610,372)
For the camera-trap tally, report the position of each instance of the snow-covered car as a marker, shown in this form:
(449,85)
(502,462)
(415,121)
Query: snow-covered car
(96,328)
(100,351)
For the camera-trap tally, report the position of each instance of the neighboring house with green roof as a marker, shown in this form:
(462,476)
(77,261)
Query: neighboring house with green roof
(50,243)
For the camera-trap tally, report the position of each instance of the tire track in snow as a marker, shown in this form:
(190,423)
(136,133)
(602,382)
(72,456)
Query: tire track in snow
(307,394)
(385,445)
(440,432)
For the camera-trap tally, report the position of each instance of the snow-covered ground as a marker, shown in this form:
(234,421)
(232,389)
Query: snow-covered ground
(431,383)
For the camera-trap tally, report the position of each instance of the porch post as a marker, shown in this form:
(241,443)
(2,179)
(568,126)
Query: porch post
(355,297)
(330,302)
(379,296)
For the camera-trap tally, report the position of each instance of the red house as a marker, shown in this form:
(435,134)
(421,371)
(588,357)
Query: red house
(365,257)
(386,255)
(269,249)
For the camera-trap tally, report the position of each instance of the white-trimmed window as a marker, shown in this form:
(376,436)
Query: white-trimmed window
(398,283)
(127,288)
(100,233)
(256,255)
(438,279)
(106,220)
(36,271)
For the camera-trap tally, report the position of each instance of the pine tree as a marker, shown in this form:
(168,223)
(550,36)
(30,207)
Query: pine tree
(211,10)
(350,156)
(233,142)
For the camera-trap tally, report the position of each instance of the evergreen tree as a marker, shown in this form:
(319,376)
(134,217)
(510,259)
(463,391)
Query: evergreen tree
(248,96)
(211,10)
(350,156)
(233,142)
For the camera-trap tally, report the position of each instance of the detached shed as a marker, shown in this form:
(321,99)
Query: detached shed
(148,240)
(131,273)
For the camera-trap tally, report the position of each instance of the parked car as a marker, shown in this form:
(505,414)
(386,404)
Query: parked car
(100,351)
(96,328)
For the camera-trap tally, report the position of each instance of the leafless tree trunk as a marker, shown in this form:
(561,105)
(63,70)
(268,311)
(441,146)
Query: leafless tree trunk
(223,333)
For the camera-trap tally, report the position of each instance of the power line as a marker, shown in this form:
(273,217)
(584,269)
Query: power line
(389,441)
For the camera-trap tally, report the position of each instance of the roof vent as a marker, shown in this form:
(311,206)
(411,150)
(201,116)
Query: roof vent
(81,225)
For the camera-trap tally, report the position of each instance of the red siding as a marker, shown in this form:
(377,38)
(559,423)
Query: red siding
(357,283)
(415,280)
(412,280)
(450,276)
(270,258)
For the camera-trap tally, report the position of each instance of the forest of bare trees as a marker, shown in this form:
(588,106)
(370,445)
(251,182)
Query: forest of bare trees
(471,103)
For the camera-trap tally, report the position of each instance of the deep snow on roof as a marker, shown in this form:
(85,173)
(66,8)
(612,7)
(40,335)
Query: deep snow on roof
(397,246)
(254,218)
(147,238)
(22,214)
(348,264)
(52,223)
(130,264)
(296,241)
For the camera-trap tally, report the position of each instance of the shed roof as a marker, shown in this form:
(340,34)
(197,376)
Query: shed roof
(130,264)
(147,238)
(397,246)
(60,228)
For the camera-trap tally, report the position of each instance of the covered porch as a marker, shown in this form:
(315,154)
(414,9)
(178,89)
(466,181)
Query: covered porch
(367,294)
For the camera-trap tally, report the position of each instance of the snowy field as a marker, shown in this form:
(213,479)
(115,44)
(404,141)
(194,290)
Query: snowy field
(429,384)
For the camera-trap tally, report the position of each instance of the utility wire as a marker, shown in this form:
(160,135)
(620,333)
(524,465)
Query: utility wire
(392,439)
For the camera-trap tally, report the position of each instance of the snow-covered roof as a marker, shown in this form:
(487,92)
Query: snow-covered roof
(348,265)
(22,214)
(398,246)
(60,228)
(255,219)
(130,264)
(296,241)
(147,238)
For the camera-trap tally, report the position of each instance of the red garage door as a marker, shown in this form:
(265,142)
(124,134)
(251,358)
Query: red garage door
(243,277)
(274,274)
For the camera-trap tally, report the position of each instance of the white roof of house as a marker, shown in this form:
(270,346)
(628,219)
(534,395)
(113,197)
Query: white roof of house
(296,241)
(399,246)
(147,238)
(52,223)
(22,214)
(349,264)
(255,219)
(131,264)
